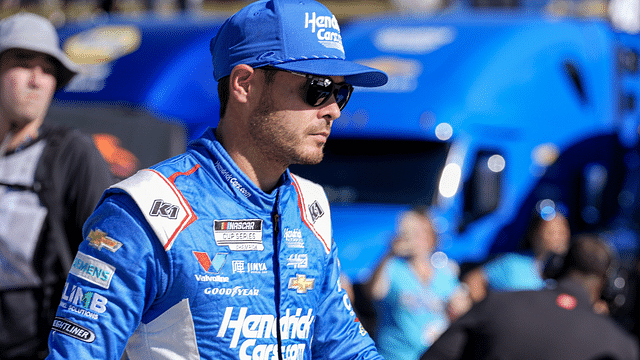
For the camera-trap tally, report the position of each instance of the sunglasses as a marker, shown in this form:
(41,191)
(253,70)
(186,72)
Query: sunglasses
(318,89)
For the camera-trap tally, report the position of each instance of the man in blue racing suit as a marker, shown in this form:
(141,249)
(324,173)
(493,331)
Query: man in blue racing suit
(221,252)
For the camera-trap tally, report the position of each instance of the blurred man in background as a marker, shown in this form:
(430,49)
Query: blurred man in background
(51,178)
(558,322)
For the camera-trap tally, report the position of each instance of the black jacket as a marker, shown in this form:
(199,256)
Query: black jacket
(554,323)
(63,172)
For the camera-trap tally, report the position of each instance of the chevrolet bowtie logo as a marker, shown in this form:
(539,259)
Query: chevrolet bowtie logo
(99,239)
(301,284)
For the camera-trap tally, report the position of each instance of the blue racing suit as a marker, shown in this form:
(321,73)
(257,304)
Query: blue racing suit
(190,259)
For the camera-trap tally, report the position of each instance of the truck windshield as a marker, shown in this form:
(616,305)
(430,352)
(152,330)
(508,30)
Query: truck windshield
(378,170)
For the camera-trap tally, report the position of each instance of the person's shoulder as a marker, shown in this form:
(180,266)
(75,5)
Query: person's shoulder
(513,258)
(58,131)
(68,140)
(509,262)
(620,341)
(300,181)
(163,206)
(511,298)
(614,330)
(316,211)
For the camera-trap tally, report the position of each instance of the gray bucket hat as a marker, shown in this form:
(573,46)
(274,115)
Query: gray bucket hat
(33,32)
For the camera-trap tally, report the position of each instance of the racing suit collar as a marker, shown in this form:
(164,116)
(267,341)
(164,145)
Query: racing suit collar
(231,178)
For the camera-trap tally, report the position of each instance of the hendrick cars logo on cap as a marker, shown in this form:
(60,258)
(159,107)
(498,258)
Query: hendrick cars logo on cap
(326,29)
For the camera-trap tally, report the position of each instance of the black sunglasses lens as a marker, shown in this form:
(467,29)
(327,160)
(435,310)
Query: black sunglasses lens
(317,95)
(343,94)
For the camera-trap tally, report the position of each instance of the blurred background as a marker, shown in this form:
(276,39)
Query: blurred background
(495,109)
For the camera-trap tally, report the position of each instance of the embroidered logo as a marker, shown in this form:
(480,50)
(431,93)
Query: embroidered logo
(301,284)
(161,208)
(298,261)
(315,211)
(326,29)
(74,330)
(93,270)
(99,239)
(239,234)
(293,238)
(207,263)
(83,302)
(240,266)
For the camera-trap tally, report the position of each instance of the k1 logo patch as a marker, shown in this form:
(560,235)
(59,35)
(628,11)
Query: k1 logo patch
(315,211)
(164,209)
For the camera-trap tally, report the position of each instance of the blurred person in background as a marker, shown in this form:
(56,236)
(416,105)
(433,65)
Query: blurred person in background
(415,290)
(547,232)
(51,178)
(557,322)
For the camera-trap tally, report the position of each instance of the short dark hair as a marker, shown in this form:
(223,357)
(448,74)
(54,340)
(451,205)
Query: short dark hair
(588,254)
(223,88)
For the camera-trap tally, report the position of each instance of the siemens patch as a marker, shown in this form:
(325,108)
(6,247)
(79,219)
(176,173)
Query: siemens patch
(239,234)
(93,270)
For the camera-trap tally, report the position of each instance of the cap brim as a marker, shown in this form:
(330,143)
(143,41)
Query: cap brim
(354,73)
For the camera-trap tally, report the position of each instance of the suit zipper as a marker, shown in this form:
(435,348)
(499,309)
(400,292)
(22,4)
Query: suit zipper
(275,220)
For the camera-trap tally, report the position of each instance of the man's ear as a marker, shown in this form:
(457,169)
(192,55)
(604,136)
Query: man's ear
(240,82)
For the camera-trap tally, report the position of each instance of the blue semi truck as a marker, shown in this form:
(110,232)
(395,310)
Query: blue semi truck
(487,114)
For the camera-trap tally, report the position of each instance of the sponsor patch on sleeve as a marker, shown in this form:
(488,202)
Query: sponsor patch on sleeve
(99,240)
(93,270)
(69,328)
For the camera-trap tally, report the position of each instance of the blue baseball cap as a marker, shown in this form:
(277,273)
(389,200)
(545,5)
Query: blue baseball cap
(296,35)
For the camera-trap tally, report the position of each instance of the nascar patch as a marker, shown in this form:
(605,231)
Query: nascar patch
(241,235)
